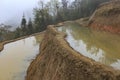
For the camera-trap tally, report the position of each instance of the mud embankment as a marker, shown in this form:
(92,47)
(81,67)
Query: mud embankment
(107,17)
(9,41)
(58,61)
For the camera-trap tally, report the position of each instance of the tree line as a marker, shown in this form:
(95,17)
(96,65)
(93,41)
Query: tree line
(56,11)
(53,12)
(26,28)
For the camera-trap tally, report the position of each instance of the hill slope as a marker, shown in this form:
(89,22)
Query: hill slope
(107,17)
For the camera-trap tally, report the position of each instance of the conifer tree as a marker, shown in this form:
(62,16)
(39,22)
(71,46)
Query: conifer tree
(30,27)
(23,25)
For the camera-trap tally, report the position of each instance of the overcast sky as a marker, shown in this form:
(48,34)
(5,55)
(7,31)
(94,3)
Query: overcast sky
(11,11)
(14,8)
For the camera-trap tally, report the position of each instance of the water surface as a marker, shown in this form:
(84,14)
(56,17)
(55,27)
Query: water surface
(101,46)
(16,57)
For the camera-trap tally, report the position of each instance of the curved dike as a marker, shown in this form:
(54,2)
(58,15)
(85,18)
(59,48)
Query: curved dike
(101,46)
(58,61)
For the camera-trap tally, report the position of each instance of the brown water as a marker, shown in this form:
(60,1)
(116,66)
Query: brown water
(16,57)
(101,46)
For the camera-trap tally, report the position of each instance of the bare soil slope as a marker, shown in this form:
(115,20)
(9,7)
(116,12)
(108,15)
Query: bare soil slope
(107,17)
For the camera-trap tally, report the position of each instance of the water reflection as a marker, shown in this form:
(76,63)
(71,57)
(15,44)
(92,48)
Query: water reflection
(16,57)
(101,46)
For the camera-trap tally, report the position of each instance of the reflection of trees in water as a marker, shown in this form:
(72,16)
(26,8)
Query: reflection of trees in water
(38,38)
(108,61)
(92,49)
(96,40)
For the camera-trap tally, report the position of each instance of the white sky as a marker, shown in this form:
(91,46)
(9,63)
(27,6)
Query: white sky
(12,8)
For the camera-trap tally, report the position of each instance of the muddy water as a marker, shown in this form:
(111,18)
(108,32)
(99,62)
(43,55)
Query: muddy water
(16,57)
(101,46)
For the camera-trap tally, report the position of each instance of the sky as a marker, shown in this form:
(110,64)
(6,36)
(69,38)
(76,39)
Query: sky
(11,11)
(14,9)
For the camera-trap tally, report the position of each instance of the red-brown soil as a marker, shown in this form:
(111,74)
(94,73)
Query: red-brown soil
(107,17)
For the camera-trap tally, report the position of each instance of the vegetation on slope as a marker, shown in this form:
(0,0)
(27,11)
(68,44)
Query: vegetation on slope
(52,12)
(107,17)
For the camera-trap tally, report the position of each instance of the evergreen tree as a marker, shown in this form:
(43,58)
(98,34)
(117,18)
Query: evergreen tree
(23,22)
(30,27)
(23,25)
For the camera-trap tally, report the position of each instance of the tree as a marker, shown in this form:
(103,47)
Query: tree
(42,17)
(30,27)
(17,32)
(55,11)
(23,25)
(23,22)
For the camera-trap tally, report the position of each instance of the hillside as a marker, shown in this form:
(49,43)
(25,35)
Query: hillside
(107,17)
(58,61)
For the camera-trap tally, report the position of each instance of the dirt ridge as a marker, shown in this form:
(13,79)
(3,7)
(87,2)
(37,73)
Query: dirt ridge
(58,61)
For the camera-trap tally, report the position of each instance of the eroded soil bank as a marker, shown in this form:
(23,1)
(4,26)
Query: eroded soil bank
(107,17)
(58,61)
